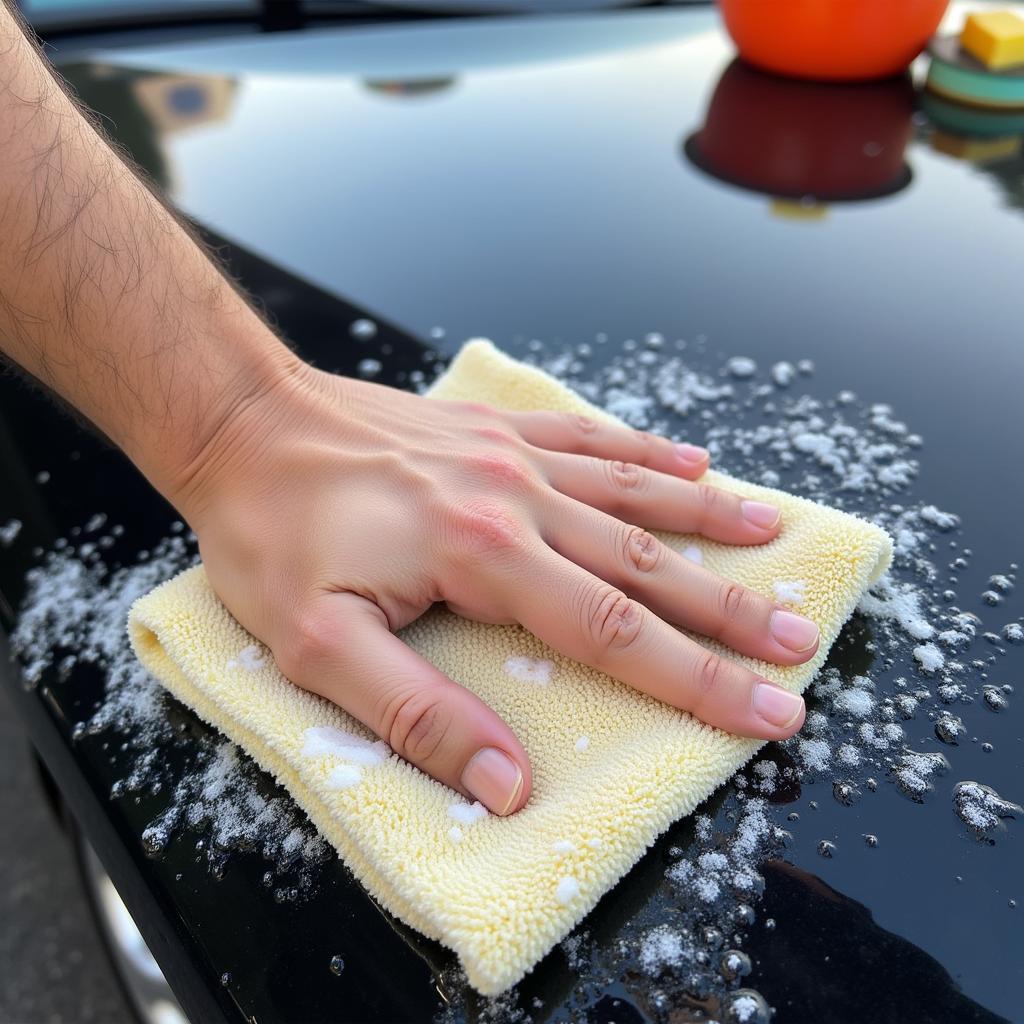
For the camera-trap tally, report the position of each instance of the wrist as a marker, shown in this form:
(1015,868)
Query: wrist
(230,424)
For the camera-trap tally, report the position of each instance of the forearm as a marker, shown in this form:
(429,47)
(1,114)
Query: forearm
(104,297)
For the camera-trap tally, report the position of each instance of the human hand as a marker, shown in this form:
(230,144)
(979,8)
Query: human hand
(331,512)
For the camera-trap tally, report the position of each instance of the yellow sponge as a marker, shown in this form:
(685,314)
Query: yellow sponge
(996,38)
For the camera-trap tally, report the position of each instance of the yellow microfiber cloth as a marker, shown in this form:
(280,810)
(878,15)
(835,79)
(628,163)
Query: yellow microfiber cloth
(612,768)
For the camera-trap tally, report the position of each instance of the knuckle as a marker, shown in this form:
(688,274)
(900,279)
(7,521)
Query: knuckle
(495,435)
(417,724)
(311,639)
(643,553)
(733,602)
(484,528)
(477,408)
(581,424)
(625,477)
(710,675)
(709,497)
(714,502)
(498,469)
(611,621)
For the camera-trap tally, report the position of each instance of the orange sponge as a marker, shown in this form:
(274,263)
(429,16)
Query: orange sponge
(996,38)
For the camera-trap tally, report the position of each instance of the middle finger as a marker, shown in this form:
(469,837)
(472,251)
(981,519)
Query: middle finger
(677,589)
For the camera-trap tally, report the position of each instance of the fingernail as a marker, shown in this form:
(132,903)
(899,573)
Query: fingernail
(793,631)
(691,452)
(494,779)
(760,514)
(777,706)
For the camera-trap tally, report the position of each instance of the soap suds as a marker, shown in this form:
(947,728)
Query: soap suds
(900,603)
(741,366)
(567,890)
(249,658)
(530,670)
(344,776)
(467,814)
(563,846)
(661,947)
(581,744)
(856,702)
(326,741)
(9,532)
(455,834)
(790,592)
(929,657)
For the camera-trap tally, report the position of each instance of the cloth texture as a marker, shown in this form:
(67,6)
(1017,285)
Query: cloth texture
(501,892)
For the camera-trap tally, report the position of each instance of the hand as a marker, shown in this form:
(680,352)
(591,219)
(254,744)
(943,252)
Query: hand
(332,512)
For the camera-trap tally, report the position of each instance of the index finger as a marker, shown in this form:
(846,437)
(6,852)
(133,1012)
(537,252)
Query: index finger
(592,621)
(587,435)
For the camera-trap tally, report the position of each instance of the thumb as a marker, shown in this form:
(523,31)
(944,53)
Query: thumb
(351,657)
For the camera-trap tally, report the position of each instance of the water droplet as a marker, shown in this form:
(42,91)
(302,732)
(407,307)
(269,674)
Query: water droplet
(994,698)
(912,772)
(154,840)
(1013,633)
(741,366)
(845,793)
(225,979)
(826,849)
(745,1006)
(712,937)
(735,964)
(368,368)
(948,727)
(363,329)
(1001,584)
(871,840)
(337,964)
(981,808)
(744,914)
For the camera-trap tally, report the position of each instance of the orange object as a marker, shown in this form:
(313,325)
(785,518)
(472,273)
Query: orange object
(832,40)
